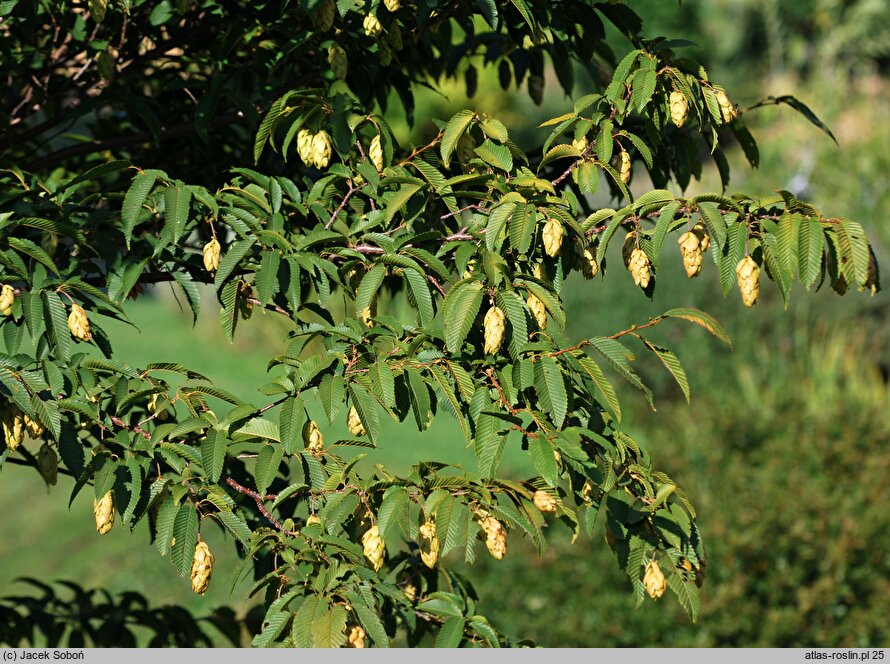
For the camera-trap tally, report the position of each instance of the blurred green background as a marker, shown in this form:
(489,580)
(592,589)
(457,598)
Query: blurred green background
(785,449)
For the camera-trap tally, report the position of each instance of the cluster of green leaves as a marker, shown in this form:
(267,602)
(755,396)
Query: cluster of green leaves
(456,228)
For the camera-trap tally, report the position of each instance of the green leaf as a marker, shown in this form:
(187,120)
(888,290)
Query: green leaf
(599,378)
(522,228)
(176,209)
(230,261)
(541,452)
(452,632)
(365,406)
(301,632)
(498,156)
(267,276)
(672,364)
(459,311)
(618,356)
(367,616)
(133,201)
(710,214)
(398,200)
(34,251)
(495,226)
(213,454)
(455,128)
(290,424)
(329,629)
(811,243)
(701,318)
(551,389)
(423,299)
(805,111)
(185,534)
(57,323)
(368,288)
(267,463)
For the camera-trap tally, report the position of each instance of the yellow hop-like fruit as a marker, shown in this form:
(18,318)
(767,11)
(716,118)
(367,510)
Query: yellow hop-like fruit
(585,259)
(375,153)
(586,491)
(369,312)
(494,330)
(429,544)
(748,274)
(392,5)
(79,324)
(7,298)
(552,237)
(539,311)
(625,166)
(321,149)
(701,232)
(728,110)
(466,148)
(679,108)
(13,424)
(338,61)
(354,423)
(536,88)
(356,637)
(304,146)
(35,428)
(48,464)
(691,249)
(495,537)
(103,509)
(211,253)
(468,271)
(544,501)
(312,437)
(580,144)
(373,547)
(324,15)
(202,568)
(312,520)
(372,26)
(638,264)
(654,580)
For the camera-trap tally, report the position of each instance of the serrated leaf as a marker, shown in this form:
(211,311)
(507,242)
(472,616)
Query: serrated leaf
(672,364)
(267,463)
(451,633)
(811,242)
(291,418)
(541,452)
(461,306)
(551,389)
(703,319)
(213,454)
(185,534)
(455,128)
(498,156)
(137,193)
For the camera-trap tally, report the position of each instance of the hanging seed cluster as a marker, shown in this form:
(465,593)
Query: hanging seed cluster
(748,274)
(79,324)
(202,568)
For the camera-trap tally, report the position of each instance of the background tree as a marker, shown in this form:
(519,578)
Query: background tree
(416,279)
